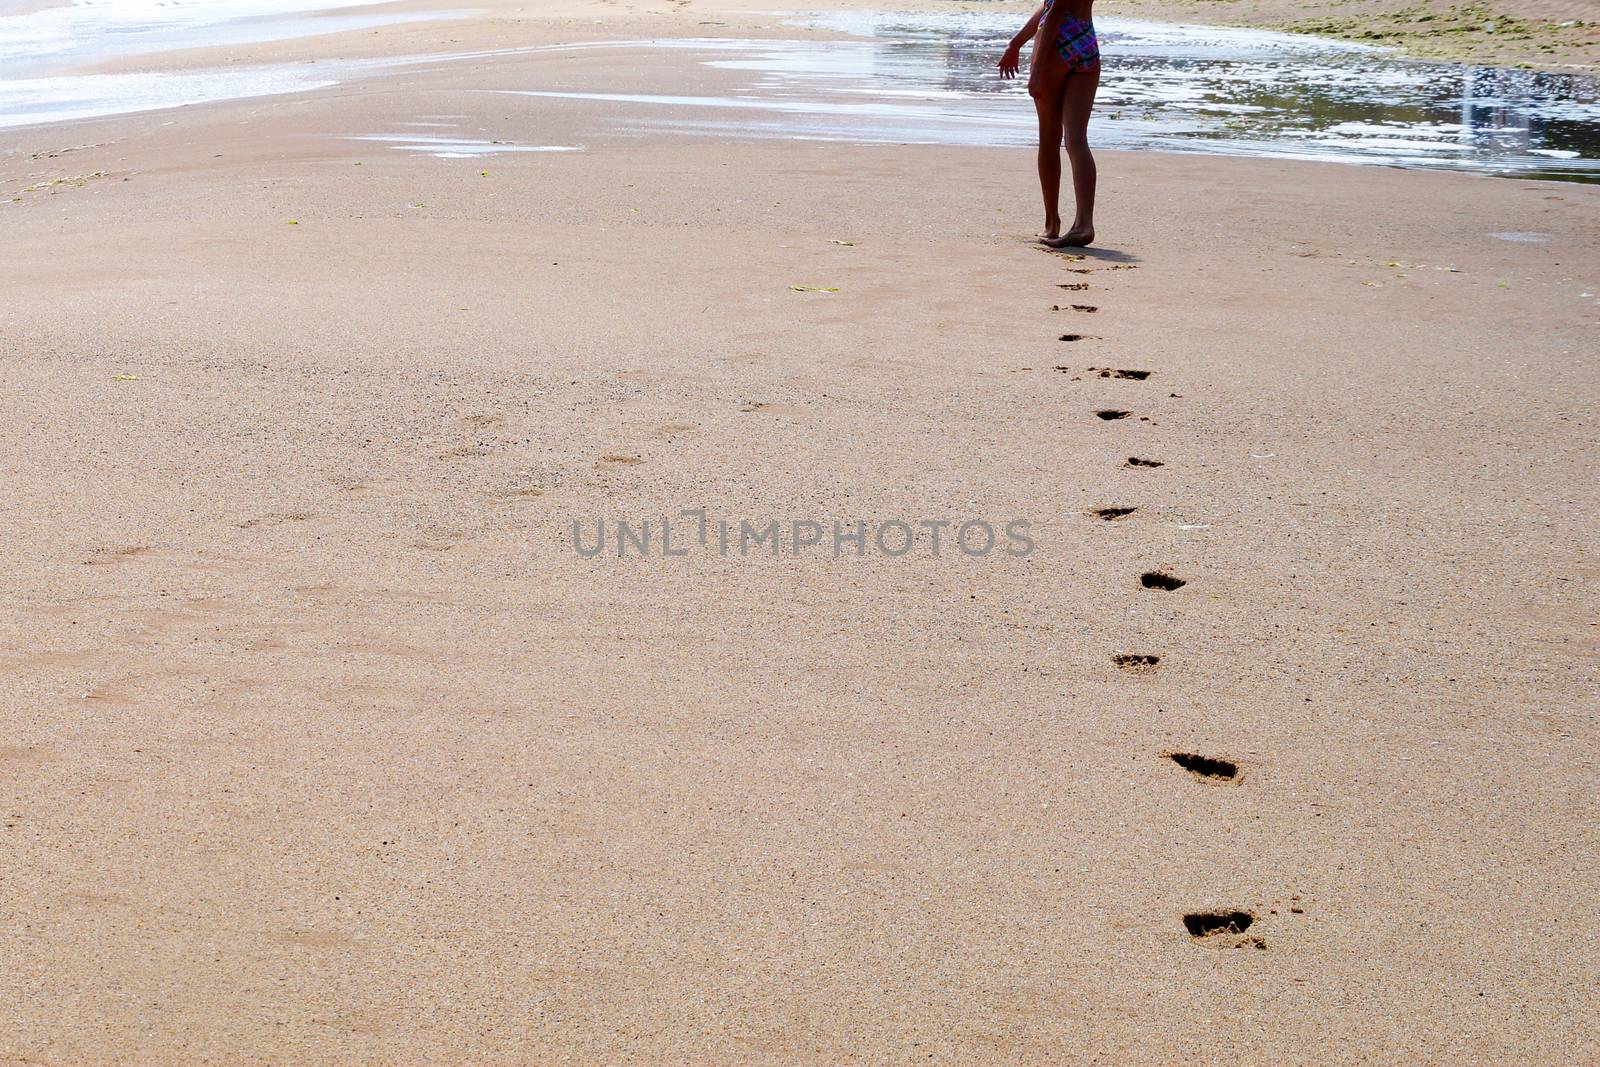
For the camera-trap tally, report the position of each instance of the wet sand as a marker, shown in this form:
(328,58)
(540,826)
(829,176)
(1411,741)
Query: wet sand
(1561,35)
(322,744)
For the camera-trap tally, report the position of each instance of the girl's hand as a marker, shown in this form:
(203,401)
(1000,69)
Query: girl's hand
(1011,62)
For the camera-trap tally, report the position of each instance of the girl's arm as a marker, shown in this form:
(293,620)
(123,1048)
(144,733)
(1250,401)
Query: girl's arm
(1050,25)
(1011,61)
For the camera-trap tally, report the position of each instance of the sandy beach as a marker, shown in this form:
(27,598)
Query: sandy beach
(324,743)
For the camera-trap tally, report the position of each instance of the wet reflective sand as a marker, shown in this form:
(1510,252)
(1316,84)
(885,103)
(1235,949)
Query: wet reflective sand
(1169,87)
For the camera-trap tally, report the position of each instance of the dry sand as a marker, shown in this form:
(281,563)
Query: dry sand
(321,745)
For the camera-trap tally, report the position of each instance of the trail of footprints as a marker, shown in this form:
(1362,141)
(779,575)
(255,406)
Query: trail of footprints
(1213,928)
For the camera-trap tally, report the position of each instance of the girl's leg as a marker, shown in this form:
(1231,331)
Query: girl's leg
(1078,101)
(1046,85)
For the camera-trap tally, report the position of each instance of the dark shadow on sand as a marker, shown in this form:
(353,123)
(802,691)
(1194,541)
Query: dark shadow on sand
(1097,253)
(1108,255)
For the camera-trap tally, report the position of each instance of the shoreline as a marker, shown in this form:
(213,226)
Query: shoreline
(1408,124)
(1443,31)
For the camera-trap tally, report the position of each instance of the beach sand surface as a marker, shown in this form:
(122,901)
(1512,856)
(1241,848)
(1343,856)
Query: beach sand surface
(321,744)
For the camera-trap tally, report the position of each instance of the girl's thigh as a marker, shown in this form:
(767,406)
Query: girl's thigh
(1077,101)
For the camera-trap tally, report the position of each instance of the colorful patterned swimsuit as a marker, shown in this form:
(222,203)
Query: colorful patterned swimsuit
(1076,42)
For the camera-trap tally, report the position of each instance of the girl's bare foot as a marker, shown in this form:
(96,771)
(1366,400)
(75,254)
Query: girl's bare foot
(1076,237)
(1051,232)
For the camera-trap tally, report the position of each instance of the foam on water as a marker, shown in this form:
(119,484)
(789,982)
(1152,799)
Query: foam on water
(35,44)
(29,101)
(86,30)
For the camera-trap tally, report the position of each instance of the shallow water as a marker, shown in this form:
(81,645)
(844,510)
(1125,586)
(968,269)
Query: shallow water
(906,79)
(920,79)
(83,31)
(446,147)
(35,45)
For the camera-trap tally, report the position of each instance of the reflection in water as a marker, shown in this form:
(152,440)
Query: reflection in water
(930,79)
(447,147)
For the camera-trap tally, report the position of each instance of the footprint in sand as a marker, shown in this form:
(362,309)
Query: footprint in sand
(1073,287)
(446,543)
(669,430)
(115,554)
(276,519)
(325,939)
(1078,337)
(773,408)
(1161,580)
(1136,662)
(1135,461)
(629,460)
(1207,768)
(1112,414)
(1112,514)
(464,452)
(1222,929)
(1118,372)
